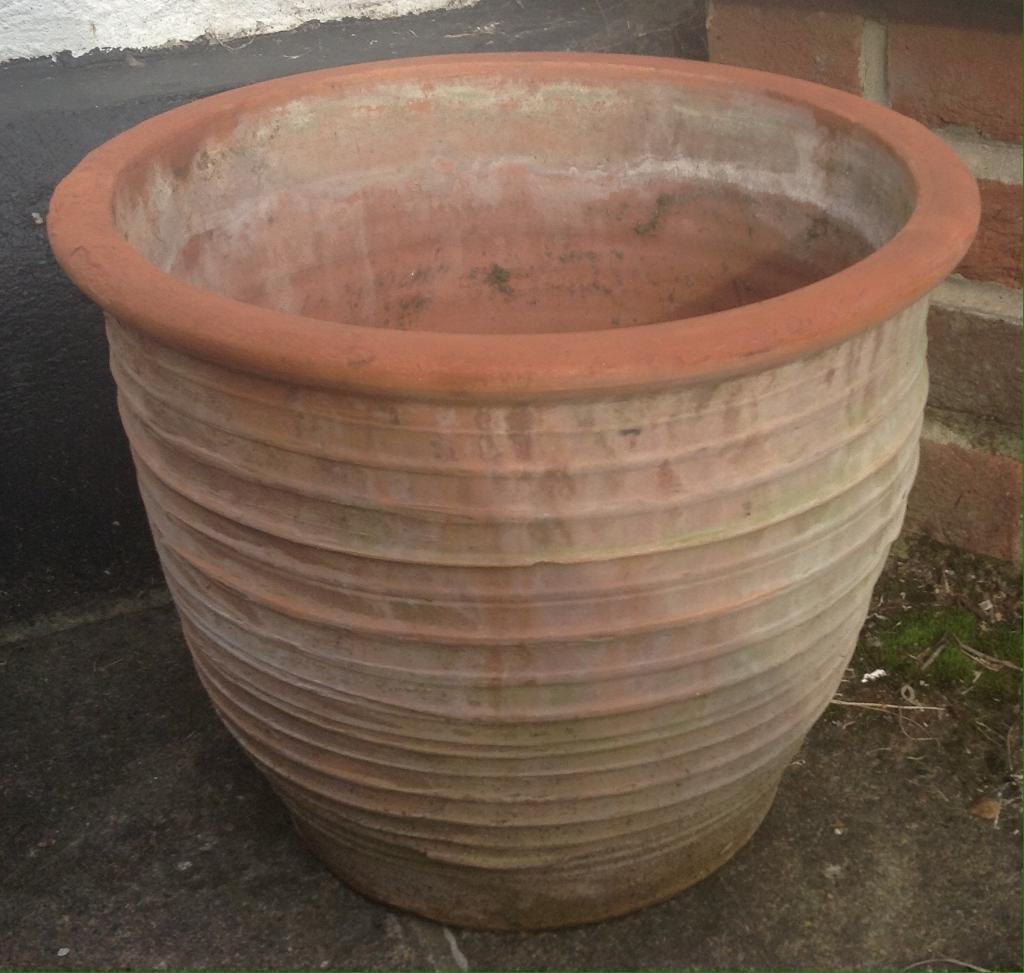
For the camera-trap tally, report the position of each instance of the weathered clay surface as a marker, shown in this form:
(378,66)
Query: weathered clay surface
(524,477)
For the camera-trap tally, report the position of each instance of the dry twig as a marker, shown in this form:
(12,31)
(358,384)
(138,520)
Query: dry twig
(985,660)
(933,654)
(883,706)
(945,959)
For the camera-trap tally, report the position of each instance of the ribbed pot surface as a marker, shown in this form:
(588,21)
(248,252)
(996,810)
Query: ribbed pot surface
(528,665)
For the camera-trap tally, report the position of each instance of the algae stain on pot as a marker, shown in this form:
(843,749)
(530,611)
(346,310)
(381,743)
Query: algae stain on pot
(498,277)
(661,205)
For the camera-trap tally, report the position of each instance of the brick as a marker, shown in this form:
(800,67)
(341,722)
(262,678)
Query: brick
(816,45)
(996,252)
(974,363)
(968,498)
(953,74)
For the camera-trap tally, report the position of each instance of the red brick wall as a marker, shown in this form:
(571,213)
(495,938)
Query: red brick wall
(954,65)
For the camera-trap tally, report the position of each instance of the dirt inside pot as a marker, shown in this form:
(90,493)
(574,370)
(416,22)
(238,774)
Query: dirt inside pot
(489,205)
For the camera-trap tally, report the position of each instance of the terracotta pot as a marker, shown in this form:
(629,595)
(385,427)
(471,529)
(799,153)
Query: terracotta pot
(522,436)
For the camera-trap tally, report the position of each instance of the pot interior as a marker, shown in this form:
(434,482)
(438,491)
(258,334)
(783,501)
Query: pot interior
(490,203)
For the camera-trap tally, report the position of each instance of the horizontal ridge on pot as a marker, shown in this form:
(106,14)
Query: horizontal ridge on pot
(522,437)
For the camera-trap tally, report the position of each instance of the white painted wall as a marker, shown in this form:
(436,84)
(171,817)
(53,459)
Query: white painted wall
(34,28)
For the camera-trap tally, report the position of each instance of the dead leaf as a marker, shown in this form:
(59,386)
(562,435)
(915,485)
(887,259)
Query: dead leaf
(988,809)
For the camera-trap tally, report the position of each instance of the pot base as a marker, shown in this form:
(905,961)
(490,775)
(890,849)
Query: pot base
(533,899)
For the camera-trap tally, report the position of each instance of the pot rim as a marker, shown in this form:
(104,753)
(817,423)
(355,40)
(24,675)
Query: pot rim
(327,354)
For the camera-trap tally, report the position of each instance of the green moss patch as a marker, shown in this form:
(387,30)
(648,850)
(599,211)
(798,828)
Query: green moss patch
(932,645)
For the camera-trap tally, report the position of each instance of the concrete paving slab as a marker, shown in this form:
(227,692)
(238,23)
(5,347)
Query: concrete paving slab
(135,835)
